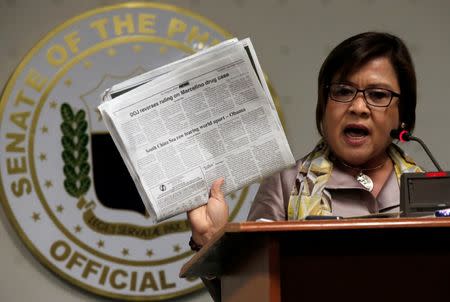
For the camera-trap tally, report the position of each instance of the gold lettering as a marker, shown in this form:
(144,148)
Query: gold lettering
(91,267)
(18,189)
(146,22)
(120,24)
(21,98)
(57,55)
(176,26)
(14,166)
(148,281)
(113,281)
(20,119)
(72,41)
(195,35)
(74,260)
(58,255)
(133,281)
(100,26)
(14,145)
(163,281)
(35,80)
(105,272)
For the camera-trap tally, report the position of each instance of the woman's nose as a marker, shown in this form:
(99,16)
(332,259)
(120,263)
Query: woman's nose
(359,104)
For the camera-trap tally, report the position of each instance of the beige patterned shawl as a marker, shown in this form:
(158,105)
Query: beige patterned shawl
(310,197)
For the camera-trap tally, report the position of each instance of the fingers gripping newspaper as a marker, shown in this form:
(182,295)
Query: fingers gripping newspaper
(188,123)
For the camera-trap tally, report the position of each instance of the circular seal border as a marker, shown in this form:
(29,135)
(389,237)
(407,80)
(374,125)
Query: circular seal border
(10,85)
(7,90)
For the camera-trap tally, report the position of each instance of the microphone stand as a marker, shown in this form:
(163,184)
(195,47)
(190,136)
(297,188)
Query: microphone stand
(404,136)
(413,138)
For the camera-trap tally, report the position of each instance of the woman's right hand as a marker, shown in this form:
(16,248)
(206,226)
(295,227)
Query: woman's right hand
(207,219)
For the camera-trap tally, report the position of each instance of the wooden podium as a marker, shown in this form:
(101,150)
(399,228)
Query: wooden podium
(390,259)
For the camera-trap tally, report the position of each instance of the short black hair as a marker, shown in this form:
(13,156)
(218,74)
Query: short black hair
(355,52)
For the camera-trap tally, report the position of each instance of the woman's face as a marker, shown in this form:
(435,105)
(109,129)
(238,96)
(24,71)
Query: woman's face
(357,133)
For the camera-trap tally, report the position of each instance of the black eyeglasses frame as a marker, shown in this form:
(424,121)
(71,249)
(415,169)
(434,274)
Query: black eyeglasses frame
(393,94)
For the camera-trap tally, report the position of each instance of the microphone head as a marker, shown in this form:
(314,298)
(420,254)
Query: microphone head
(401,135)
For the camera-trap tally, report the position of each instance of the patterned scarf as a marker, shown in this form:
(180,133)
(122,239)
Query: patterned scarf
(309,197)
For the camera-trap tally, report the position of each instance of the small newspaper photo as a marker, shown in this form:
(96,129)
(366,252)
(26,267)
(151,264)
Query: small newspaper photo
(183,125)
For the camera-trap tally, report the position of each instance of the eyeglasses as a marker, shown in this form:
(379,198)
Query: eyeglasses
(345,93)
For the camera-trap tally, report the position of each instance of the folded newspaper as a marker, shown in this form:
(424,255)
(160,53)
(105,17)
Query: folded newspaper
(183,125)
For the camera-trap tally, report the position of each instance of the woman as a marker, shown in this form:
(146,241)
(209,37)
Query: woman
(366,88)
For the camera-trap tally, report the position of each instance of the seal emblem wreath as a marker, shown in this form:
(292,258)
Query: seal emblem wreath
(63,184)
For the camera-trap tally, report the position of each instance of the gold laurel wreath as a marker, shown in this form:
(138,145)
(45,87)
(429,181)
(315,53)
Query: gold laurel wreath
(75,154)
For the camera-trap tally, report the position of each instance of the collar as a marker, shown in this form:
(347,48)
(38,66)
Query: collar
(341,180)
(389,195)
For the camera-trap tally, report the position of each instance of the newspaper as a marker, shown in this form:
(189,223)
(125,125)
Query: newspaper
(184,125)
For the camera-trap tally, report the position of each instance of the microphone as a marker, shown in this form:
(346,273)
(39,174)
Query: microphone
(405,136)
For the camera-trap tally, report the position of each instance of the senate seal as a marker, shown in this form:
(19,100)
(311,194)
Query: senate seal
(64,186)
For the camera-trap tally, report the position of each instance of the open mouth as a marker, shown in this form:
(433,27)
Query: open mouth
(356,131)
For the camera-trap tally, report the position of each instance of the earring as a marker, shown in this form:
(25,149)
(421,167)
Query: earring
(403,125)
